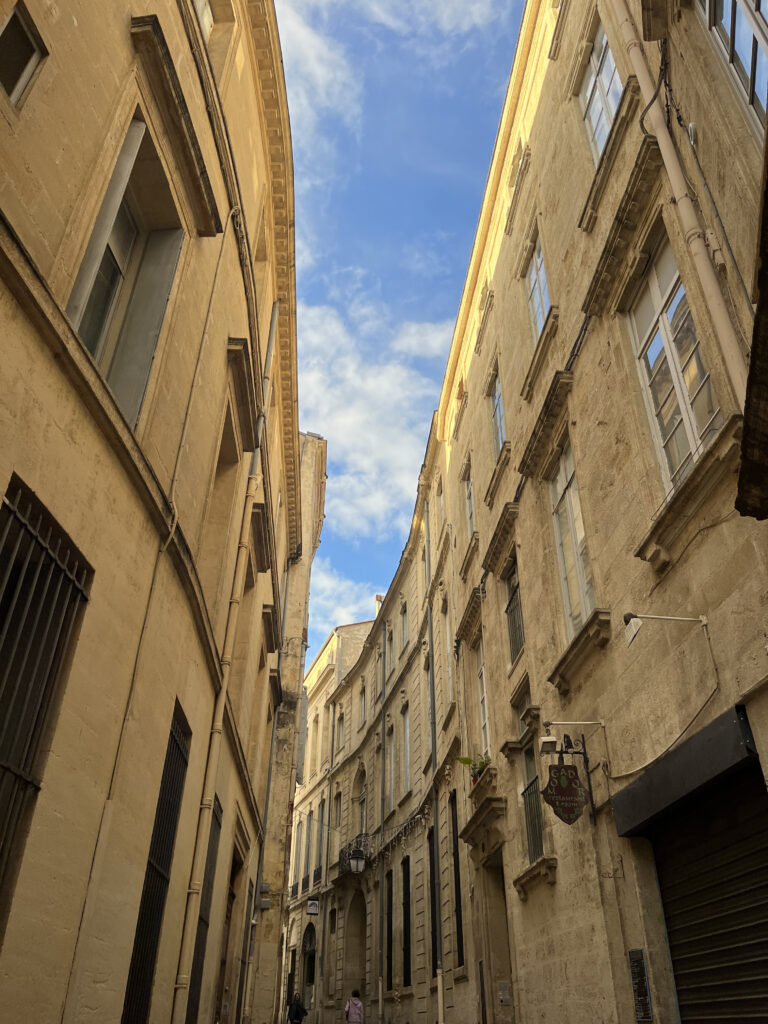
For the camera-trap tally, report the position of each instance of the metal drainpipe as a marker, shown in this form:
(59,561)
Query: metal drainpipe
(383,812)
(192,909)
(692,230)
(438,922)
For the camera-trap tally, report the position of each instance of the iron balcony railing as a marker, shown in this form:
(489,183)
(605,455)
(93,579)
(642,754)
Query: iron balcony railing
(305,883)
(295,889)
(532,805)
(514,614)
(317,874)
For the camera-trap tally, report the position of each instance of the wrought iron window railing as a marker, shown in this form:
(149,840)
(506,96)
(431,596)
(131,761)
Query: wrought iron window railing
(295,889)
(305,883)
(317,874)
(514,613)
(532,806)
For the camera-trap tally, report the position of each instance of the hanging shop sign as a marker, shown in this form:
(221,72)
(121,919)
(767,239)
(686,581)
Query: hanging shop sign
(564,792)
(313,908)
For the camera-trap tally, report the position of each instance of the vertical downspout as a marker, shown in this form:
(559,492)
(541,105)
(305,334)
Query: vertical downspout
(438,922)
(383,812)
(689,221)
(192,909)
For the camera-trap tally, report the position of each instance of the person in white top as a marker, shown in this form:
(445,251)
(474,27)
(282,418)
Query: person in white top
(353,1011)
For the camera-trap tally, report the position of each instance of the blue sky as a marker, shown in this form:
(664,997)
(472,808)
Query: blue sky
(394,109)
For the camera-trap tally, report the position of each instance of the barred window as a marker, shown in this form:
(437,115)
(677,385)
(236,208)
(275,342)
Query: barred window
(44,583)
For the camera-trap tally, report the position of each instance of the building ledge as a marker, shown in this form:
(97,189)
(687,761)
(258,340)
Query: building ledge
(542,870)
(658,547)
(482,831)
(469,626)
(502,543)
(449,714)
(542,451)
(485,786)
(498,473)
(630,98)
(511,748)
(594,634)
(548,332)
(466,563)
(484,316)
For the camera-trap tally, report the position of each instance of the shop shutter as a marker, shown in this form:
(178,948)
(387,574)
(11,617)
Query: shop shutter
(712,861)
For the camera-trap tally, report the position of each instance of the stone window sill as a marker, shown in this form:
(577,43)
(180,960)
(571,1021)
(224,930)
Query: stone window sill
(469,555)
(460,973)
(594,634)
(658,547)
(498,473)
(406,796)
(542,870)
(513,664)
(548,332)
(624,114)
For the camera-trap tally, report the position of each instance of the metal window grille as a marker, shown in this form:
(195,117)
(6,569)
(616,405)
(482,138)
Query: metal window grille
(514,614)
(389,930)
(532,806)
(432,900)
(138,990)
(203,921)
(44,582)
(457,881)
(406,869)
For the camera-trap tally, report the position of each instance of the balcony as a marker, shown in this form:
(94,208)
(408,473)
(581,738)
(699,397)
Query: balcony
(294,890)
(362,842)
(305,883)
(317,875)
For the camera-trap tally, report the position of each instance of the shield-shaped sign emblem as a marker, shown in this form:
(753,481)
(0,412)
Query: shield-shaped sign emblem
(564,792)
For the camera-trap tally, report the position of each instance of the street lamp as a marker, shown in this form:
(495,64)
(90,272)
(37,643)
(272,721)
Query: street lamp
(357,862)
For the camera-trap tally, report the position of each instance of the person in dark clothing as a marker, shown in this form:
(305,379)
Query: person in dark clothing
(296,1012)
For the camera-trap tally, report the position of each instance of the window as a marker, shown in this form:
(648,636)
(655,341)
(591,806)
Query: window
(404,624)
(390,770)
(203,920)
(320,833)
(297,853)
(405,868)
(514,613)
(575,572)
(44,582)
(599,94)
(432,898)
(440,500)
(456,880)
(21,51)
(308,850)
(332,921)
(536,290)
(337,811)
(482,699)
(120,295)
(390,651)
(388,912)
(448,654)
(340,730)
(741,29)
(532,805)
(519,707)
(469,505)
(497,415)
(362,702)
(315,744)
(676,381)
(406,749)
(138,990)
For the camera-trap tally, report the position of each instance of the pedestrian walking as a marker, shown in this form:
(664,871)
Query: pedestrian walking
(353,1011)
(296,1011)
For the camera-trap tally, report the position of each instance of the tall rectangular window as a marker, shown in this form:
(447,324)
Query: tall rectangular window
(405,867)
(681,401)
(741,31)
(514,613)
(21,51)
(390,651)
(44,583)
(575,571)
(391,770)
(532,805)
(456,880)
(432,898)
(297,852)
(121,292)
(362,702)
(599,94)
(497,415)
(320,838)
(406,749)
(138,990)
(448,655)
(469,503)
(482,699)
(340,730)
(204,917)
(404,624)
(307,852)
(537,293)
(388,911)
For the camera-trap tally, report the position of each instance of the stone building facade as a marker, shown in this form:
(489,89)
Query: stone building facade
(160,510)
(577,580)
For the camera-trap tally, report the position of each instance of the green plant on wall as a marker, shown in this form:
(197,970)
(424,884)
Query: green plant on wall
(476,765)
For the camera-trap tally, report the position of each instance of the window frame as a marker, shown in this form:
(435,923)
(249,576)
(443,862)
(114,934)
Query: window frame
(23,83)
(496,400)
(406,752)
(726,44)
(564,497)
(482,700)
(608,109)
(532,285)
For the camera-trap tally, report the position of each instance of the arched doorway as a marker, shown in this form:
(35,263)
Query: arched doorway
(355,946)
(308,948)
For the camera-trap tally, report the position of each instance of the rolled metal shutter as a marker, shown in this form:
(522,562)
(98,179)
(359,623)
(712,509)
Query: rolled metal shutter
(712,861)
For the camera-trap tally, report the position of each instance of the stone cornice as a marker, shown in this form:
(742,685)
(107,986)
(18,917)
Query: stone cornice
(537,455)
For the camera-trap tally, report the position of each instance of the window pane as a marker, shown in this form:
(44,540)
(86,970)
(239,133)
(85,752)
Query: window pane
(643,312)
(723,18)
(16,51)
(586,87)
(704,409)
(611,83)
(677,447)
(661,382)
(100,302)
(581,543)
(569,565)
(761,82)
(742,47)
(665,267)
(668,416)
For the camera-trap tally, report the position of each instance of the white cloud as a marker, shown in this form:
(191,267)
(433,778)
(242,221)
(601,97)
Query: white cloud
(374,411)
(424,340)
(337,600)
